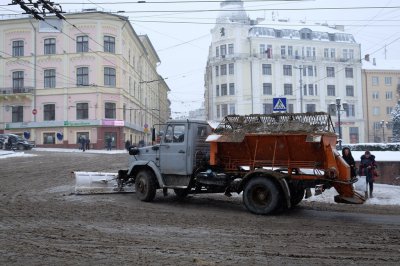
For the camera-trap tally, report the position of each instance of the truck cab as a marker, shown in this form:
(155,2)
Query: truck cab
(171,162)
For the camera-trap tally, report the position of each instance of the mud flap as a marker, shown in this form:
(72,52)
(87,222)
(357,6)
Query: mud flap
(98,183)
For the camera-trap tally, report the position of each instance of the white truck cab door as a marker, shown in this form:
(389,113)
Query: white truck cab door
(173,150)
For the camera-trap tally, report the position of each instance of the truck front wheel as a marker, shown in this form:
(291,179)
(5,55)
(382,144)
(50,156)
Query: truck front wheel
(261,196)
(145,186)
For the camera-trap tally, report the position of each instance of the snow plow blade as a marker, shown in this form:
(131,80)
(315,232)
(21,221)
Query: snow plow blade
(99,183)
(355,199)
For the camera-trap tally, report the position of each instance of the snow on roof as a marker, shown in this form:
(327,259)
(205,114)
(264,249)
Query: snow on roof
(381,64)
(280,25)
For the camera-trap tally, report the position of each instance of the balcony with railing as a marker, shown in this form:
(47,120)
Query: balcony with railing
(13,91)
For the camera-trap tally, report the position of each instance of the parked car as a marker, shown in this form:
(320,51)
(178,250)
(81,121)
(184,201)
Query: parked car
(17,142)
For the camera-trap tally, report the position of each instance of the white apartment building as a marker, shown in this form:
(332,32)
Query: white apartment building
(87,76)
(251,62)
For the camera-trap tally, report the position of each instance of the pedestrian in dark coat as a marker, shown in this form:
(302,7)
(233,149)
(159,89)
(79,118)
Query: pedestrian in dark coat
(127,144)
(83,143)
(367,169)
(348,157)
(87,143)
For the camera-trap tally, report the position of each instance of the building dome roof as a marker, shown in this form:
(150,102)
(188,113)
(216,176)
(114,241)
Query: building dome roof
(232,11)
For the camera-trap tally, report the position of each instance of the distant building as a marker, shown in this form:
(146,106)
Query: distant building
(90,76)
(381,85)
(251,62)
(198,114)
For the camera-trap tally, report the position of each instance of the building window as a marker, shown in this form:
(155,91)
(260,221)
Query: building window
(333,53)
(375,110)
(49,78)
(354,135)
(330,72)
(231,88)
(375,95)
(310,71)
(331,90)
(310,89)
(326,52)
(287,70)
(266,69)
(331,109)
(109,77)
(350,110)
(218,111)
(349,72)
(18,48)
(18,79)
(310,108)
(349,90)
(389,110)
(223,70)
(316,89)
(290,108)
(49,112)
(82,44)
(267,108)
(82,111)
(288,89)
(231,69)
(267,88)
(82,76)
(375,81)
(232,109)
(262,49)
(388,80)
(230,48)
(49,138)
(389,95)
(223,50)
(50,46)
(224,110)
(217,71)
(110,110)
(290,51)
(305,89)
(17,114)
(224,90)
(217,90)
(109,44)
(283,51)
(217,51)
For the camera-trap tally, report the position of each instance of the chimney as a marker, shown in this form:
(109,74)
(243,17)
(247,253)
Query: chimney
(374,61)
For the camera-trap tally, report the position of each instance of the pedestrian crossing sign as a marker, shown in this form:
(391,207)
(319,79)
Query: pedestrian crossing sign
(279,104)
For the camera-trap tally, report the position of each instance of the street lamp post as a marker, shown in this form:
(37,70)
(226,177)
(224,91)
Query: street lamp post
(300,68)
(383,124)
(338,106)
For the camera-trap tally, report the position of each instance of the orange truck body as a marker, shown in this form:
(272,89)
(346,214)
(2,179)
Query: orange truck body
(307,154)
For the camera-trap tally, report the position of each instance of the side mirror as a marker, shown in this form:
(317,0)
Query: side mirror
(153,134)
(133,150)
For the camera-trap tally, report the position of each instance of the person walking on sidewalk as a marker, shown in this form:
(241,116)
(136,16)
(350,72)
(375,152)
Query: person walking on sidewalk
(367,169)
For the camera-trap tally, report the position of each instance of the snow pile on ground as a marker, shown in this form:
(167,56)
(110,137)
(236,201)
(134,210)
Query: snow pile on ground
(78,150)
(383,195)
(9,154)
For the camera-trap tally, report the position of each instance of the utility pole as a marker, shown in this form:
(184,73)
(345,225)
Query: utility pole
(300,68)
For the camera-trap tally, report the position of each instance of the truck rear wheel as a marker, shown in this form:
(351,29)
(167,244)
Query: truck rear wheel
(261,196)
(181,193)
(297,196)
(145,186)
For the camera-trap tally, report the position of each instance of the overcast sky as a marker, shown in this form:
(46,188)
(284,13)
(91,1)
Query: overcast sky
(181,37)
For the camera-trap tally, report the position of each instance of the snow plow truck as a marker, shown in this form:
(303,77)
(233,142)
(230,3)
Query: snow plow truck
(272,160)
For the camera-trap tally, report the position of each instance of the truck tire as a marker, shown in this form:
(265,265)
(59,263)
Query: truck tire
(296,196)
(145,186)
(181,193)
(261,196)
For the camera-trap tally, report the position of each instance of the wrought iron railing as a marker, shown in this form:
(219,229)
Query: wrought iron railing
(16,90)
(277,122)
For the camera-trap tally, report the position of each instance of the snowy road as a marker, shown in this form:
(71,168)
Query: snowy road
(43,223)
